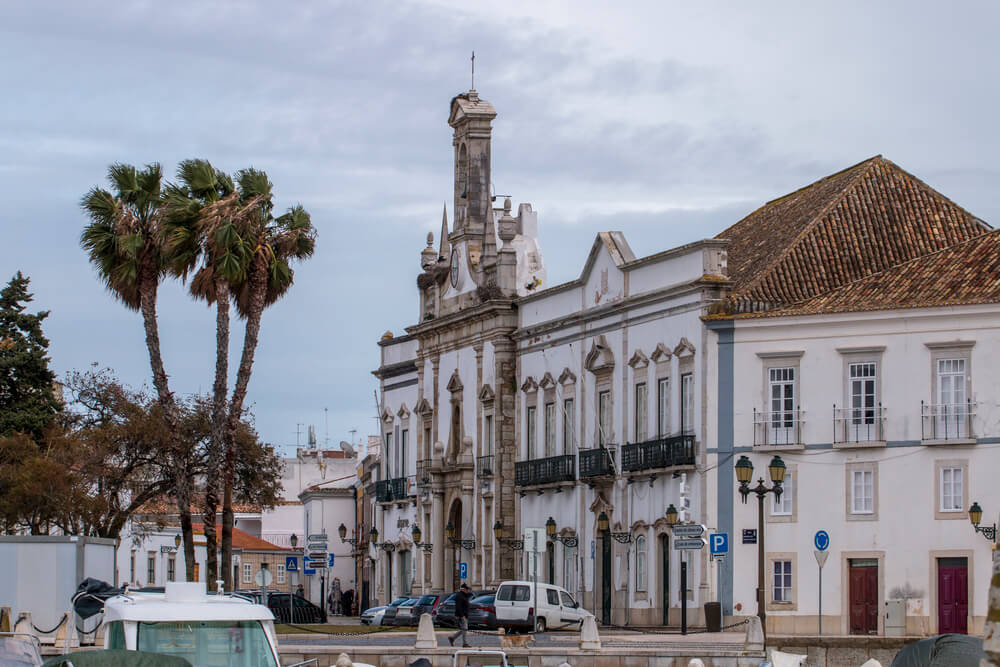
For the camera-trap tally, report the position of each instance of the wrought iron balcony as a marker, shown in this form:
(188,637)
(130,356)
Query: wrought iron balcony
(383,491)
(398,488)
(858,425)
(677,450)
(597,462)
(545,471)
(423,472)
(780,428)
(946,421)
(484,465)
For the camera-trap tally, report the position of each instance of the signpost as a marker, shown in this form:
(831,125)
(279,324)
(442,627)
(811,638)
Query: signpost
(316,546)
(291,563)
(532,539)
(822,542)
(689,543)
(463,570)
(719,543)
(689,530)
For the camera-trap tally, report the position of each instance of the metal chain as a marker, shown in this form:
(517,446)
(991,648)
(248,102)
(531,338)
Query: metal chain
(676,632)
(340,634)
(39,630)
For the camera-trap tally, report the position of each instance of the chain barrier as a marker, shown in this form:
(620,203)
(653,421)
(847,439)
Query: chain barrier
(340,634)
(38,629)
(677,632)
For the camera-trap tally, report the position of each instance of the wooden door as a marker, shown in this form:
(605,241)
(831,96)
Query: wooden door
(606,577)
(863,597)
(953,595)
(665,577)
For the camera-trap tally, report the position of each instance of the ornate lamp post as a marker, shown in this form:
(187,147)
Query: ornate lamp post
(744,474)
(449,532)
(513,545)
(387,547)
(603,524)
(671,515)
(570,541)
(342,531)
(426,546)
(975,516)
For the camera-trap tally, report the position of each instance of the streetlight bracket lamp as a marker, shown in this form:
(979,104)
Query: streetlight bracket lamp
(426,546)
(342,530)
(387,547)
(975,516)
(513,545)
(449,532)
(604,525)
(569,541)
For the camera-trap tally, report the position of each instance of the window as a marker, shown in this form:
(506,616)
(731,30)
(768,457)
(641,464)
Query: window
(952,498)
(952,411)
(782,418)
(404,460)
(552,596)
(488,435)
(640,412)
(640,564)
(568,563)
(567,599)
(782,588)
(388,454)
(862,396)
(663,407)
(405,572)
(247,573)
(171,568)
(550,429)
(784,506)
(151,568)
(280,573)
(532,431)
(428,445)
(687,403)
(514,592)
(862,492)
(569,420)
(604,417)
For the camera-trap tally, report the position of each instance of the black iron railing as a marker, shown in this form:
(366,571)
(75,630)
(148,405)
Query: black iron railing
(946,421)
(398,488)
(777,428)
(677,450)
(545,471)
(597,462)
(383,491)
(484,465)
(861,424)
(423,472)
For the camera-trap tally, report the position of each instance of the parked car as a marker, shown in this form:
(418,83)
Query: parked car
(425,605)
(303,611)
(375,615)
(444,615)
(556,608)
(401,614)
(483,612)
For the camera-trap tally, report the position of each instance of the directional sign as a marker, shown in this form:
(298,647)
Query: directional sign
(821,557)
(719,543)
(307,567)
(822,540)
(689,530)
(318,560)
(316,537)
(689,543)
(291,563)
(463,570)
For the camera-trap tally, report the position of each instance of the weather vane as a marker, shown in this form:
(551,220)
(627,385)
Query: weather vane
(473,87)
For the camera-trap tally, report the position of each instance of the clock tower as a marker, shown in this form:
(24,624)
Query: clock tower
(471,119)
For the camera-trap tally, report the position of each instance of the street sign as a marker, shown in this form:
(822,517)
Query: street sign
(821,557)
(307,568)
(719,543)
(822,540)
(689,543)
(291,563)
(463,570)
(263,577)
(318,560)
(329,562)
(689,530)
(534,539)
(749,536)
(316,537)
(593,550)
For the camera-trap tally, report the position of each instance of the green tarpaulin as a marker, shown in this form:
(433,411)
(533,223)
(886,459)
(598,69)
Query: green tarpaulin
(117,659)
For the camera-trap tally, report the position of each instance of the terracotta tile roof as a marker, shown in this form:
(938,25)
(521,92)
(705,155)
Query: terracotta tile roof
(167,506)
(241,539)
(964,274)
(844,227)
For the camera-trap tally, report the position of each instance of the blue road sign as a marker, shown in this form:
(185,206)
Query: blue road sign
(291,563)
(329,561)
(307,567)
(822,540)
(463,570)
(719,543)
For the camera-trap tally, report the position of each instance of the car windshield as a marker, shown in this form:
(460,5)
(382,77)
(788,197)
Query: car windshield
(209,643)
(398,601)
(484,599)
(410,602)
(426,600)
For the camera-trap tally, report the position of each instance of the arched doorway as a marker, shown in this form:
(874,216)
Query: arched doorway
(453,551)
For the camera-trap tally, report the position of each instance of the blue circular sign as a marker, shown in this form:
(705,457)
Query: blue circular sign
(822,540)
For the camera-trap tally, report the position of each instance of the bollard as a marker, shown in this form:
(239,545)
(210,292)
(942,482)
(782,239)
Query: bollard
(426,638)
(5,614)
(590,638)
(66,636)
(755,635)
(23,624)
(696,662)
(343,660)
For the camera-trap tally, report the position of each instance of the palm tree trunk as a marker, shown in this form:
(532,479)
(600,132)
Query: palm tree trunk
(219,449)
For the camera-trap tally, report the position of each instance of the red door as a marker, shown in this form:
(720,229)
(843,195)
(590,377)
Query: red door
(864,597)
(953,595)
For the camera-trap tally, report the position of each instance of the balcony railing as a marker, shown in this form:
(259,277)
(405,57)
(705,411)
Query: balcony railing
(778,428)
(545,471)
(858,425)
(398,488)
(597,462)
(946,421)
(383,491)
(484,465)
(423,472)
(665,452)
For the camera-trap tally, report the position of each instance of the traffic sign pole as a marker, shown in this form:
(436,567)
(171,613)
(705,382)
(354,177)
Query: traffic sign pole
(822,542)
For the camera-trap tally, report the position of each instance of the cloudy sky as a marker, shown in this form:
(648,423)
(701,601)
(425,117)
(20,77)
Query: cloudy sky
(668,121)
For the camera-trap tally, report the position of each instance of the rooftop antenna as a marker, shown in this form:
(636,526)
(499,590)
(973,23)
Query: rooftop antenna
(352,432)
(473,87)
(326,426)
(298,434)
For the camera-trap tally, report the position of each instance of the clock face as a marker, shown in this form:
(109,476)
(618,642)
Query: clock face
(454,268)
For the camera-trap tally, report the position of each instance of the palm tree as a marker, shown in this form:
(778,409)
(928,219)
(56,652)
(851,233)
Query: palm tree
(201,238)
(273,243)
(124,242)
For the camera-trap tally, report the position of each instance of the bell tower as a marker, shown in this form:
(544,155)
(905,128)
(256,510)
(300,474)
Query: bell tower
(471,119)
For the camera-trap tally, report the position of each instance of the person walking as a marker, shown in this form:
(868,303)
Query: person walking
(462,615)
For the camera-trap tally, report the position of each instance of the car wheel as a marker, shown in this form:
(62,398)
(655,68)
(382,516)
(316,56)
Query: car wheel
(540,624)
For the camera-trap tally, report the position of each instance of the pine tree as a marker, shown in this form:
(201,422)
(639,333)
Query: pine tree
(27,391)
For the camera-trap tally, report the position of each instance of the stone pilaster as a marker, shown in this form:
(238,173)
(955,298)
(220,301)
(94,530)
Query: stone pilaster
(504,494)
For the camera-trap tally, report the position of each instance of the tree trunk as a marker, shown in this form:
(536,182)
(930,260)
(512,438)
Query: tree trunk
(991,634)
(258,290)
(218,444)
(183,496)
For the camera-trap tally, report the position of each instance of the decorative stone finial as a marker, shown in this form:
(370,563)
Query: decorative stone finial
(387,335)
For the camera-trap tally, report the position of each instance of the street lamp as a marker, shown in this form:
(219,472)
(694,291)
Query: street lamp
(426,546)
(177,541)
(603,524)
(975,516)
(449,532)
(569,541)
(513,545)
(387,547)
(744,474)
(293,540)
(671,515)
(342,531)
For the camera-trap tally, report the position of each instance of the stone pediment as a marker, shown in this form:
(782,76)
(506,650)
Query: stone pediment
(486,393)
(424,408)
(601,504)
(600,357)
(638,360)
(661,353)
(684,347)
(529,385)
(547,381)
(639,526)
(567,377)
(455,383)
(404,412)
(387,415)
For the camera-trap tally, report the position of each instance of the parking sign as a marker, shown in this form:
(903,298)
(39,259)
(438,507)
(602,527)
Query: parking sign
(719,543)
(463,570)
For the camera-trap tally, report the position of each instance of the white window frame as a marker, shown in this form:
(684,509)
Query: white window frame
(247,573)
(781,413)
(550,428)
(531,423)
(569,563)
(151,568)
(949,475)
(863,400)
(641,558)
(641,424)
(663,407)
(569,425)
(687,403)
(951,392)
(404,455)
(279,574)
(865,504)
(488,435)
(785,506)
(171,568)
(604,435)
(782,582)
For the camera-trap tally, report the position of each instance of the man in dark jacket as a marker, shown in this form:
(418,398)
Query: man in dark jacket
(462,615)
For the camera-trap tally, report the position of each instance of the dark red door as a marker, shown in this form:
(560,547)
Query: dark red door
(864,597)
(953,595)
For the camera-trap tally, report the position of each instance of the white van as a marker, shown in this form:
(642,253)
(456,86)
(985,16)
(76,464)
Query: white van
(515,605)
